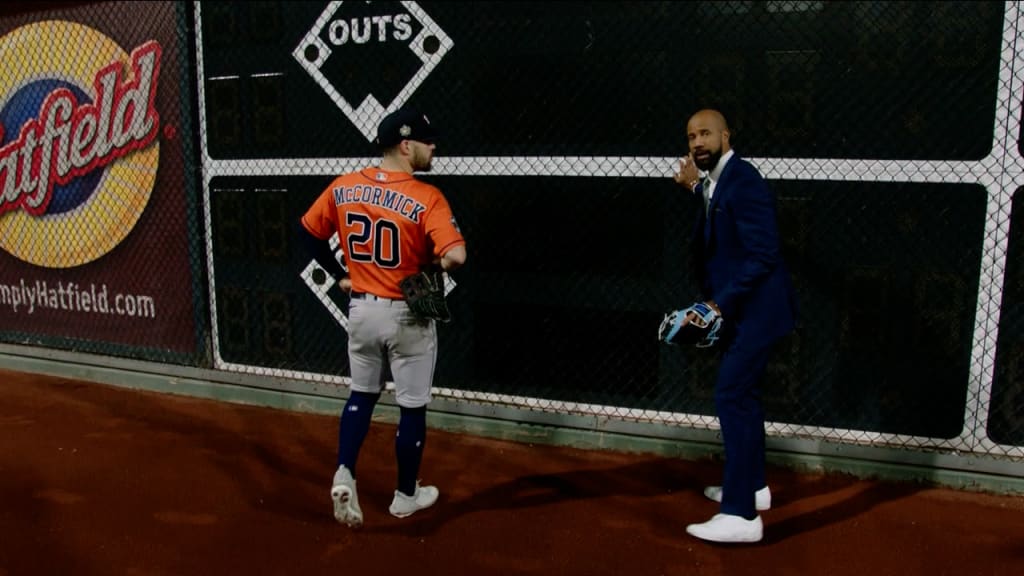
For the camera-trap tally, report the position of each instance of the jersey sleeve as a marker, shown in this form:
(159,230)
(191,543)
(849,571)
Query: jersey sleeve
(441,227)
(322,219)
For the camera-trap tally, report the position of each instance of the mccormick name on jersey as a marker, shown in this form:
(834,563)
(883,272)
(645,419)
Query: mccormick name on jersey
(383,197)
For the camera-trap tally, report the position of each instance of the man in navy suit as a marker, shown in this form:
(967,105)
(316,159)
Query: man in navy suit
(741,275)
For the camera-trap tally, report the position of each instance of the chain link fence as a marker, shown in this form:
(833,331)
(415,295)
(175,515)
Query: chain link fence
(889,131)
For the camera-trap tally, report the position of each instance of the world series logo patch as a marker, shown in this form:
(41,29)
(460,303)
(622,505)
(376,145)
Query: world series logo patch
(78,141)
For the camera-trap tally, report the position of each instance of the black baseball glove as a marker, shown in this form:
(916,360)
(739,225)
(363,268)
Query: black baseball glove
(424,293)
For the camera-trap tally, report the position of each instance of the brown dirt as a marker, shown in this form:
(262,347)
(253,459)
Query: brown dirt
(102,480)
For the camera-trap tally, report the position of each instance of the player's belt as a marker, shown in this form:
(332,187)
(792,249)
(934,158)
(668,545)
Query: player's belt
(373,297)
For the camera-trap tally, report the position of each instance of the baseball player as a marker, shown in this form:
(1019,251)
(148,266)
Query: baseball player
(390,226)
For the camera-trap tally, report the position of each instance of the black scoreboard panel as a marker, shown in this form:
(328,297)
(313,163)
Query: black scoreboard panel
(887,276)
(266,315)
(561,305)
(1006,416)
(878,80)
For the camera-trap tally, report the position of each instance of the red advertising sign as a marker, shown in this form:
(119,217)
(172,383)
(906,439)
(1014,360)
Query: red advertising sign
(94,211)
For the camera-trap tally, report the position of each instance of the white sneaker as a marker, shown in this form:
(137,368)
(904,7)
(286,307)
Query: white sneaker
(762,498)
(346,501)
(403,505)
(728,528)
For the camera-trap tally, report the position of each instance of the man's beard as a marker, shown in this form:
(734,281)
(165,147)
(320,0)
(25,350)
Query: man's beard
(710,162)
(421,163)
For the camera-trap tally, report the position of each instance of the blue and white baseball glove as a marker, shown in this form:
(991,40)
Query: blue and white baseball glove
(701,330)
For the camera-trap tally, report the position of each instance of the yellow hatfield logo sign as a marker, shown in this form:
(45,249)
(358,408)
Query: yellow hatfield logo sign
(78,149)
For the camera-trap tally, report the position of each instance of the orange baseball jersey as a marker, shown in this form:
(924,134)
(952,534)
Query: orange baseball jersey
(390,225)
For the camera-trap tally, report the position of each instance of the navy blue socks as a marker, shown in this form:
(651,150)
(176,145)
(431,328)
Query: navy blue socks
(355,423)
(409,441)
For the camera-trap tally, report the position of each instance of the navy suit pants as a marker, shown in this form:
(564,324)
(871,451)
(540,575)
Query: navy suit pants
(741,417)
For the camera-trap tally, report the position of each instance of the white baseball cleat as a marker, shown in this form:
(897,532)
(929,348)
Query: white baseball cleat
(762,498)
(403,506)
(729,529)
(346,501)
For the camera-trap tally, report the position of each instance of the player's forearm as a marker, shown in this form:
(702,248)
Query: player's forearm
(453,258)
(320,250)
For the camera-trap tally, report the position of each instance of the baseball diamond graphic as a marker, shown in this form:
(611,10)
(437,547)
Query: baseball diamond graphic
(371,26)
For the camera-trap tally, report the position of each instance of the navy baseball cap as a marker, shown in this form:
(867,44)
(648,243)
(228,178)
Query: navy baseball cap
(405,124)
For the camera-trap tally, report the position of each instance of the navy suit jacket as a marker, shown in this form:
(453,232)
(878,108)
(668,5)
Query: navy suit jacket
(739,261)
